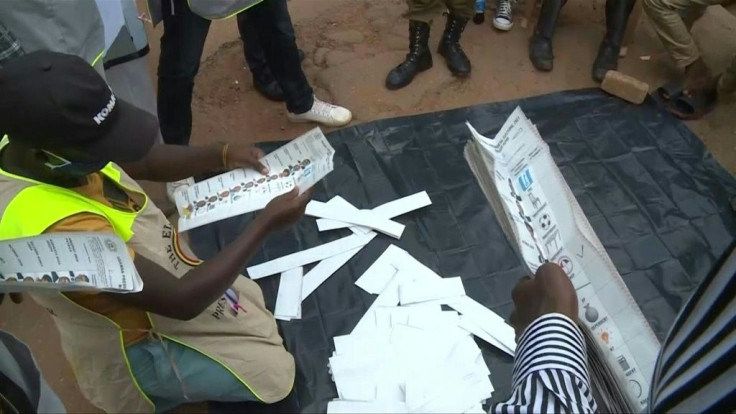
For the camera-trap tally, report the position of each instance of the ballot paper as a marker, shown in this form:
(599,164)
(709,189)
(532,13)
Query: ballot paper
(389,210)
(289,298)
(67,261)
(330,257)
(543,220)
(301,163)
(412,358)
(304,257)
(364,218)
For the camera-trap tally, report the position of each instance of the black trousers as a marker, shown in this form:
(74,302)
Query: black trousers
(270,35)
(272,54)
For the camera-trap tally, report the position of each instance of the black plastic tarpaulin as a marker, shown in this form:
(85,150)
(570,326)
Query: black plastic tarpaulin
(657,199)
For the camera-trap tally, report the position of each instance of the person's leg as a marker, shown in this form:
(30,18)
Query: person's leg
(460,12)
(263,80)
(273,23)
(420,14)
(277,39)
(666,18)
(667,21)
(172,374)
(617,17)
(181,50)
(540,45)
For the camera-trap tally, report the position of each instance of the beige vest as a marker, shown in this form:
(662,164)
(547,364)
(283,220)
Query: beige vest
(247,344)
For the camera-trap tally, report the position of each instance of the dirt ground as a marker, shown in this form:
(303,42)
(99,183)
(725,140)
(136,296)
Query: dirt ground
(350,45)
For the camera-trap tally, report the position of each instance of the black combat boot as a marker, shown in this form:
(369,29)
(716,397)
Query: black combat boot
(540,45)
(456,59)
(617,16)
(417,60)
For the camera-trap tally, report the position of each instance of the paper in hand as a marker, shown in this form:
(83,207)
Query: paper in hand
(302,163)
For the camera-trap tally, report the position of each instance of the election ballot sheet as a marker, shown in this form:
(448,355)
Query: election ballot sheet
(67,261)
(545,223)
(301,163)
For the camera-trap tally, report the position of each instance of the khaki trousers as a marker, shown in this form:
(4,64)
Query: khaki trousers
(671,19)
(426,10)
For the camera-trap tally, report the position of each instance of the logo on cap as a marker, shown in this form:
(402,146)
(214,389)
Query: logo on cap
(104,112)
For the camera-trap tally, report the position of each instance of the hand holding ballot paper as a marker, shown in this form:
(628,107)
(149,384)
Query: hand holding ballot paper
(299,164)
(544,222)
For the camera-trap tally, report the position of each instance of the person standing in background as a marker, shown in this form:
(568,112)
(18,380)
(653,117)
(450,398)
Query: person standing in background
(617,16)
(420,14)
(181,51)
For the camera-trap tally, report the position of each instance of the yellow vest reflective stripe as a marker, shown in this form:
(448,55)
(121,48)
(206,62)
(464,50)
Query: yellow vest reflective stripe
(220,9)
(39,206)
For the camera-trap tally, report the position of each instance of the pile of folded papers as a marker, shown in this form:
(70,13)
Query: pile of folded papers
(413,350)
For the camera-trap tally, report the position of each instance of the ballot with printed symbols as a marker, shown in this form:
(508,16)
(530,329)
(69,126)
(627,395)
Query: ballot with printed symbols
(544,222)
(301,163)
(68,262)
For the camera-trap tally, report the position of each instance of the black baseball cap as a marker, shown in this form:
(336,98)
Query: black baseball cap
(54,101)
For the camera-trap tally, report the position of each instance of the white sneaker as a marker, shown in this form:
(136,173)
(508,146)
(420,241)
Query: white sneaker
(323,113)
(176,186)
(504,19)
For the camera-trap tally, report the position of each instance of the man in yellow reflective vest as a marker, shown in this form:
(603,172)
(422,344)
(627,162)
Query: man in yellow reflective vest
(68,163)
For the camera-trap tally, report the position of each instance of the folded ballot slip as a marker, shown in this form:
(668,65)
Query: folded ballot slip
(301,163)
(67,262)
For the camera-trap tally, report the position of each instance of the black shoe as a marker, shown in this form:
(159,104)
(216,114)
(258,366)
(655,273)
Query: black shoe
(479,18)
(417,60)
(606,60)
(457,60)
(269,89)
(540,53)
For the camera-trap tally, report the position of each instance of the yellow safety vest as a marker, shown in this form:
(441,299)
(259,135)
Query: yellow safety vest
(247,344)
(37,207)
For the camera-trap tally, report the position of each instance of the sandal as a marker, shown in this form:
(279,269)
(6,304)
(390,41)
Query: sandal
(670,90)
(693,107)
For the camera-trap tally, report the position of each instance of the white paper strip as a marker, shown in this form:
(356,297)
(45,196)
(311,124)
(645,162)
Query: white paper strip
(487,320)
(380,273)
(326,268)
(389,297)
(468,325)
(339,202)
(307,256)
(289,298)
(364,218)
(432,289)
(361,407)
(389,210)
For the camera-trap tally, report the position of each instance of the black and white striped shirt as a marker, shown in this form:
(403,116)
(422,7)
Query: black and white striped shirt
(550,370)
(695,370)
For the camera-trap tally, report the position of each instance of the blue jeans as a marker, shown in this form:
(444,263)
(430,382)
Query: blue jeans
(272,37)
(199,378)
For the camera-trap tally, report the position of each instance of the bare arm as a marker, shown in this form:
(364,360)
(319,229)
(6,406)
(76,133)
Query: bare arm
(165,163)
(176,162)
(188,296)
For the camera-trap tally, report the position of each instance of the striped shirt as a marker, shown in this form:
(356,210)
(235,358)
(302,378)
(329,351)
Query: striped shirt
(550,370)
(695,370)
